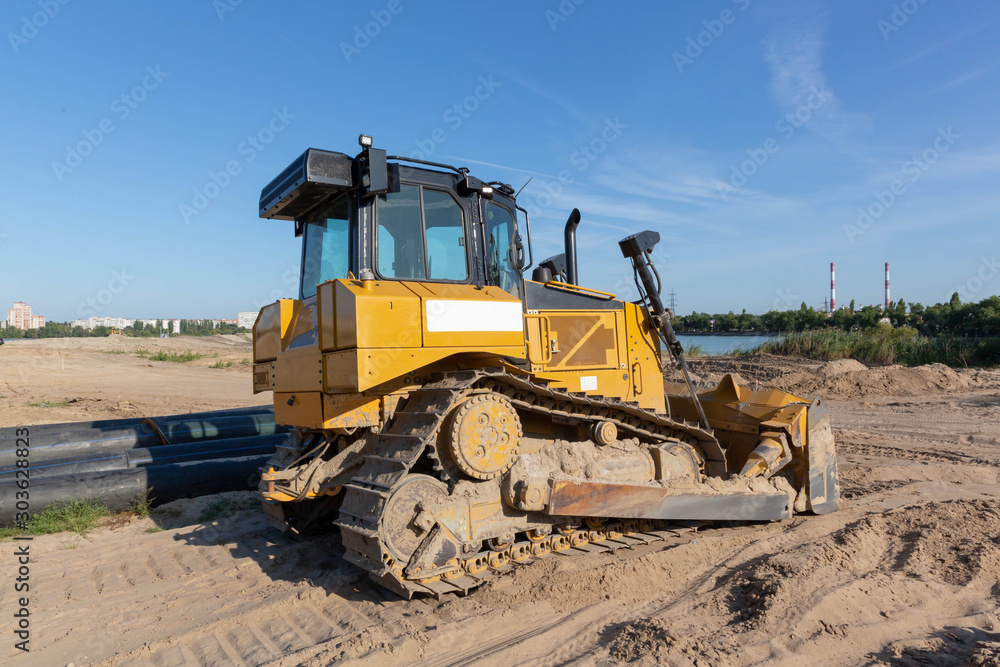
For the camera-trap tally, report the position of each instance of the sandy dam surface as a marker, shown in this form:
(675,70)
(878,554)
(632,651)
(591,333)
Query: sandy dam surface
(907,574)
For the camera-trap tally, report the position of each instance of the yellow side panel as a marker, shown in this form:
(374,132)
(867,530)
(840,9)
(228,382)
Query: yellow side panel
(643,362)
(350,411)
(302,409)
(387,315)
(340,371)
(360,370)
(298,369)
(538,340)
(327,316)
(468,316)
(345,310)
(591,382)
(410,314)
(584,339)
(270,329)
(302,329)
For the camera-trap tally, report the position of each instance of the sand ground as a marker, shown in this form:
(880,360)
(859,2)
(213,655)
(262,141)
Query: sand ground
(907,574)
(84,379)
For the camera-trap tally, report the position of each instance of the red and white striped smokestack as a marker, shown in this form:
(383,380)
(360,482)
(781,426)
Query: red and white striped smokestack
(888,301)
(833,289)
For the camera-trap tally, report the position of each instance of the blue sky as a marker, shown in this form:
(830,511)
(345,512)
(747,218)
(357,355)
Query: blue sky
(751,135)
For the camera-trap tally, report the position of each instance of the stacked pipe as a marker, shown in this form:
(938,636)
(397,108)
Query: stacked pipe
(177,456)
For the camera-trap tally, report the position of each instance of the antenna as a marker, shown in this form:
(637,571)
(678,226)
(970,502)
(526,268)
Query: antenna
(524,186)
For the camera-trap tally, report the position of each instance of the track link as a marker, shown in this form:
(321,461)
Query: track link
(413,431)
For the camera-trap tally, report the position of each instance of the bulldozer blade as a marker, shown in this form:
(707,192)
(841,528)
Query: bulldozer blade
(571,498)
(824,490)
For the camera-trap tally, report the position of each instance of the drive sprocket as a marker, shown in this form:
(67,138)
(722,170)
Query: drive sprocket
(483,435)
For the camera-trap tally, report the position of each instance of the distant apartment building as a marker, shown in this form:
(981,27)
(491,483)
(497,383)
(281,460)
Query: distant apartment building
(21,317)
(217,323)
(247,319)
(110,322)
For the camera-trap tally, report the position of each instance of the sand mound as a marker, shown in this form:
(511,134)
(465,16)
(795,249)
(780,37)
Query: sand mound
(956,543)
(841,366)
(848,378)
(842,378)
(647,638)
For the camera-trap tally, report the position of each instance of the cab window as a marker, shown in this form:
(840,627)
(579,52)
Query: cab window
(420,236)
(326,248)
(500,248)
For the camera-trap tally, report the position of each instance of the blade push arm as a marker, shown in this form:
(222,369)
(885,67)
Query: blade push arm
(638,248)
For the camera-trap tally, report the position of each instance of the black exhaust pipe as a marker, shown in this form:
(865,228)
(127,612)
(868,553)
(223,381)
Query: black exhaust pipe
(570,233)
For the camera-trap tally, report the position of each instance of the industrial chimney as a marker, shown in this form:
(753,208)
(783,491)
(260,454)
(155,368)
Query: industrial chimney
(833,290)
(888,301)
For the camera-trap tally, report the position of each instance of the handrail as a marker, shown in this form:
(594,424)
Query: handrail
(576,288)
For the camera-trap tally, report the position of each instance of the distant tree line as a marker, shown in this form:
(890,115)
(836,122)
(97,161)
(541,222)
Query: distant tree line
(138,328)
(954,318)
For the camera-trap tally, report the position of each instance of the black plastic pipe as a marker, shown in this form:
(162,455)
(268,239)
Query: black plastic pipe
(8,435)
(90,443)
(118,488)
(198,451)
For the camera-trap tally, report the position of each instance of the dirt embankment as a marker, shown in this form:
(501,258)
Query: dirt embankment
(844,378)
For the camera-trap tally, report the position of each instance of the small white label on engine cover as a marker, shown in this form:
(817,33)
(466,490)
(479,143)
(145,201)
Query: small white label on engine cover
(588,383)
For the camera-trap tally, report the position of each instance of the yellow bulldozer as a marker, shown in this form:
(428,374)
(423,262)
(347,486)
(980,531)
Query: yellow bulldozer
(453,418)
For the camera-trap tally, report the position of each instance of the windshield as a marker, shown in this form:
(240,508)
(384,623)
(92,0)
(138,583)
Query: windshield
(420,236)
(326,248)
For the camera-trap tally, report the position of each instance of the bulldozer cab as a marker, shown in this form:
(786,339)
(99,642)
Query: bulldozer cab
(398,222)
(442,256)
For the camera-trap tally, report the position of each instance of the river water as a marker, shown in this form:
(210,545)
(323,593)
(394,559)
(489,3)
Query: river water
(718,345)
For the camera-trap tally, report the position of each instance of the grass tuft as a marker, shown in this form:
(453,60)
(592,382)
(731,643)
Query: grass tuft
(48,404)
(140,505)
(885,345)
(176,357)
(77,516)
(221,364)
(694,351)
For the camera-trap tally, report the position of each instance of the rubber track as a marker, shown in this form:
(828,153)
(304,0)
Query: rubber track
(414,430)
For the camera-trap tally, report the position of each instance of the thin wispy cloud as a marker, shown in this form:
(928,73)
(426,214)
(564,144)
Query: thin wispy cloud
(933,48)
(517,170)
(794,52)
(548,94)
(963,78)
(688,181)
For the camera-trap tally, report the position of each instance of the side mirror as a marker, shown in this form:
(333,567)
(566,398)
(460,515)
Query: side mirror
(517,252)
